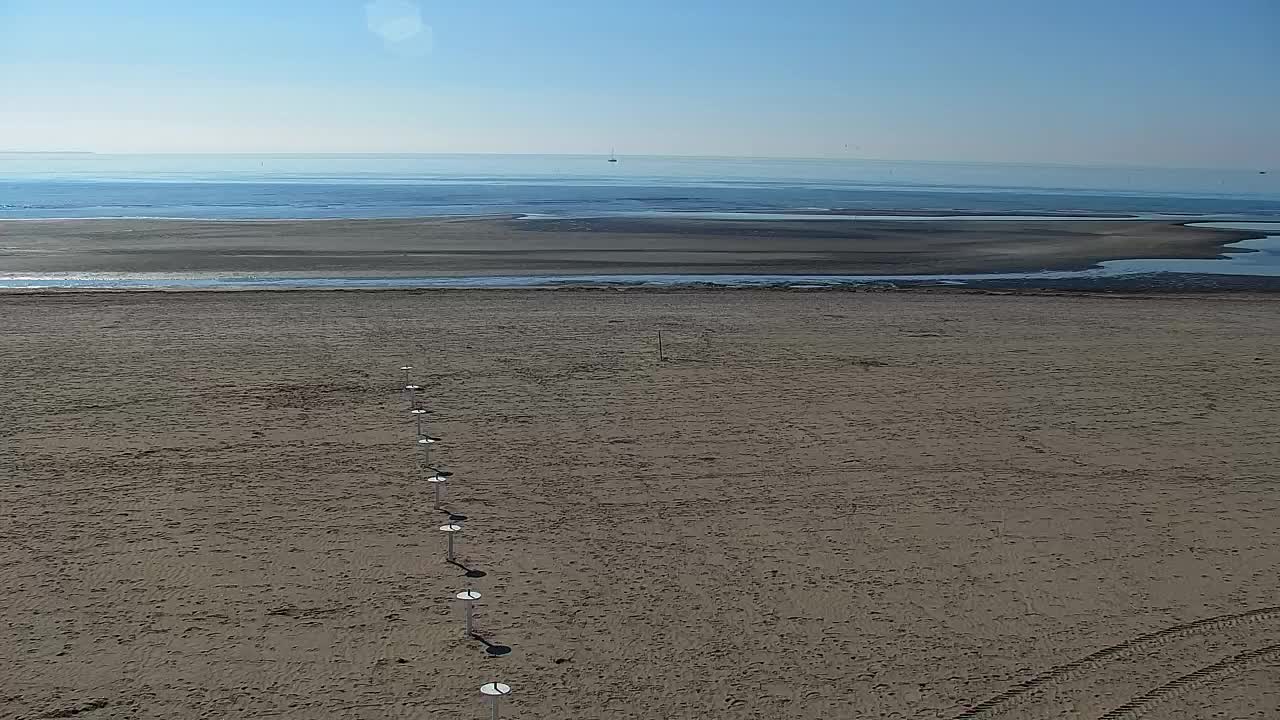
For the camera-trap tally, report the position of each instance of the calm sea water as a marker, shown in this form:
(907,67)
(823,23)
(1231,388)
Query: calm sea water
(320,186)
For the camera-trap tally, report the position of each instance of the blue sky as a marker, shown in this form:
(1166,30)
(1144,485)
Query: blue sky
(1165,83)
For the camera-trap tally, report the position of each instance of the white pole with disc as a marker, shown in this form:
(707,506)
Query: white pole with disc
(468,598)
(439,482)
(417,416)
(405,369)
(425,442)
(450,530)
(494,691)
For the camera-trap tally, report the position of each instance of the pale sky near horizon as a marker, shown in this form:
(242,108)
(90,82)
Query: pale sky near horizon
(1181,83)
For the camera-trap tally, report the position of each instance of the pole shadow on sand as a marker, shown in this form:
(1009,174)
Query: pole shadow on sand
(468,572)
(491,649)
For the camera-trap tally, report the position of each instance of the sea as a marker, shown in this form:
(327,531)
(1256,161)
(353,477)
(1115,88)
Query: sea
(221,187)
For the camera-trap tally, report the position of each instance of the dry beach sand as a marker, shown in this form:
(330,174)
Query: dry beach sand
(823,505)
(505,246)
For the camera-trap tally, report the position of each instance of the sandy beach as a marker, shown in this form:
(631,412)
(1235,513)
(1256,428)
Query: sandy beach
(620,245)
(820,505)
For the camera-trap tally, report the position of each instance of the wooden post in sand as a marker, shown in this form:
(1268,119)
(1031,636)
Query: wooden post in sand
(494,691)
(661,356)
(450,531)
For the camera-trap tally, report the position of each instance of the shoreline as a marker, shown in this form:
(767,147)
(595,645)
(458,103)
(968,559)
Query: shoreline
(815,213)
(500,246)
(1136,285)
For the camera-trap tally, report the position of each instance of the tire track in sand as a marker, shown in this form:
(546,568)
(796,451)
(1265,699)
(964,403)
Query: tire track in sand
(1030,689)
(1207,675)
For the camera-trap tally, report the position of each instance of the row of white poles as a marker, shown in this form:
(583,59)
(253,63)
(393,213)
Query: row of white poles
(493,691)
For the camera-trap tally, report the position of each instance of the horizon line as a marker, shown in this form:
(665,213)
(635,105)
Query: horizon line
(1034,163)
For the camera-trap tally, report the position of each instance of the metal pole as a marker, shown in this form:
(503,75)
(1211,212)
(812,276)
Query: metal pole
(410,393)
(495,690)
(468,598)
(417,414)
(450,530)
(438,481)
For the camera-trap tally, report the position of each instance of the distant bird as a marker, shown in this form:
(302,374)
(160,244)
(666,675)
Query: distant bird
(1262,172)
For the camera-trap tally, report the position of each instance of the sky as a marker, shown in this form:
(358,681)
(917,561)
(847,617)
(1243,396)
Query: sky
(1167,83)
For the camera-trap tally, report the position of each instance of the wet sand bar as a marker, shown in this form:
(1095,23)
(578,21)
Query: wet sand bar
(507,246)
